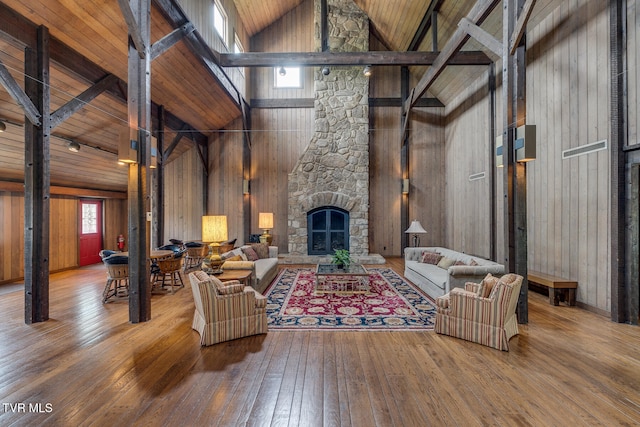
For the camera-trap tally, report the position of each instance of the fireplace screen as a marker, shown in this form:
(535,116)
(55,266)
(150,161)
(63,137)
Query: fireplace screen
(328,230)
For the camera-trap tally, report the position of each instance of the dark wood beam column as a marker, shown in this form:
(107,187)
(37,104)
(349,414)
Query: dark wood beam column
(246,168)
(37,183)
(624,172)
(514,174)
(158,184)
(139,108)
(404,160)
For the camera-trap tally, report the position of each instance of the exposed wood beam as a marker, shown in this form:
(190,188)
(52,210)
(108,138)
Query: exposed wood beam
(176,17)
(22,30)
(78,102)
(521,25)
(173,145)
(134,28)
(481,36)
(425,24)
(16,92)
(318,59)
(165,43)
(308,102)
(18,187)
(477,15)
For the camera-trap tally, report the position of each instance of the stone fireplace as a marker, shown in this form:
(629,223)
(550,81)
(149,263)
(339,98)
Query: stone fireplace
(333,172)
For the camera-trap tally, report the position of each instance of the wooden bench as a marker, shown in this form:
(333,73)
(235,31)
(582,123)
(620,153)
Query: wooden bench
(560,289)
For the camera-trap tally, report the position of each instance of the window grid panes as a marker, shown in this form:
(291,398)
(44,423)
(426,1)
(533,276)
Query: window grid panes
(89,219)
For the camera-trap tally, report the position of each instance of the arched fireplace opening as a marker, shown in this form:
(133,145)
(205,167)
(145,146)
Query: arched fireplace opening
(327,230)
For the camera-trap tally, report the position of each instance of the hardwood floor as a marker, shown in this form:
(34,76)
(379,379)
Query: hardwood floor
(88,365)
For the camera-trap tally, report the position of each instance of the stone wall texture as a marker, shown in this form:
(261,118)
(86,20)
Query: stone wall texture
(334,169)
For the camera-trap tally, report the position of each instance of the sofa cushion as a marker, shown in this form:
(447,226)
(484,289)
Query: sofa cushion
(261,249)
(430,272)
(235,258)
(250,253)
(431,257)
(237,265)
(446,262)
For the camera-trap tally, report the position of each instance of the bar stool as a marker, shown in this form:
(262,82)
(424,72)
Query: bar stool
(117,277)
(168,270)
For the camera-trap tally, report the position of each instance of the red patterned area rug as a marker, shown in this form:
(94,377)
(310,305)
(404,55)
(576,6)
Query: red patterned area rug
(391,304)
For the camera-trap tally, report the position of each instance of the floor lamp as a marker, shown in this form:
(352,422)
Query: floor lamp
(415,228)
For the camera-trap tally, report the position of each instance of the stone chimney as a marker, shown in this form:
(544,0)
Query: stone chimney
(334,169)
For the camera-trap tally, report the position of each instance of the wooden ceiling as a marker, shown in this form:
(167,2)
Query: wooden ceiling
(182,83)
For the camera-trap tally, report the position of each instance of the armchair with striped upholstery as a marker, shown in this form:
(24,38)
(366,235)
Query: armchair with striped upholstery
(484,313)
(226,310)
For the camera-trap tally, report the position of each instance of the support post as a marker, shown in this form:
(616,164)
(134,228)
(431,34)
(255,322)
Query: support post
(37,183)
(139,110)
(514,174)
(404,159)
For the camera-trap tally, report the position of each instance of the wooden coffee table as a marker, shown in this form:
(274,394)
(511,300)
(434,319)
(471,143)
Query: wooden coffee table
(243,276)
(349,280)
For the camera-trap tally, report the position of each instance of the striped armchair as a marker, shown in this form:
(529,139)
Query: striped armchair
(226,311)
(484,313)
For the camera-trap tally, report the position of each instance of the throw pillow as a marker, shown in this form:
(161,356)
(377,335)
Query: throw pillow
(459,263)
(473,262)
(250,253)
(446,262)
(235,258)
(431,257)
(487,285)
(262,249)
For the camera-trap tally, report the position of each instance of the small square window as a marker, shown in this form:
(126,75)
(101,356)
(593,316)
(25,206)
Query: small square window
(287,77)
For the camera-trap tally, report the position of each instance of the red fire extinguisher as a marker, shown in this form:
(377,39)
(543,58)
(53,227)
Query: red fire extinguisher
(120,242)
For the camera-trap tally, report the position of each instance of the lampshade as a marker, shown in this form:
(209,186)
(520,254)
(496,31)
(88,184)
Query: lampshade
(415,227)
(265,220)
(214,228)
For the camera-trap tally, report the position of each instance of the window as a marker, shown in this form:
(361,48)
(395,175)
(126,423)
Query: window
(89,218)
(237,48)
(220,21)
(291,77)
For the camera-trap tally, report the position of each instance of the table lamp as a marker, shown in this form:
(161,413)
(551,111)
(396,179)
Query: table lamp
(265,221)
(214,231)
(415,228)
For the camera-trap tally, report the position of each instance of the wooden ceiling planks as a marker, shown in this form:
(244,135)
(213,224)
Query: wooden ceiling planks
(258,15)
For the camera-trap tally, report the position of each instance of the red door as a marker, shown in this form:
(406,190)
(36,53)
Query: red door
(90,231)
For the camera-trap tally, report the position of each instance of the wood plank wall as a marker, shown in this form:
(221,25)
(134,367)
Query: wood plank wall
(225,195)
(63,234)
(467,152)
(184,197)
(568,100)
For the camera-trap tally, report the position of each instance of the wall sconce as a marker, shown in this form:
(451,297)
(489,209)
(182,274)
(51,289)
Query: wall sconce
(245,187)
(499,162)
(128,146)
(282,71)
(73,146)
(326,70)
(3,127)
(405,186)
(367,71)
(525,144)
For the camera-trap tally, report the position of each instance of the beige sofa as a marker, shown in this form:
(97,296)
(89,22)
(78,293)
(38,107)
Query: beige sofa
(436,281)
(263,270)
